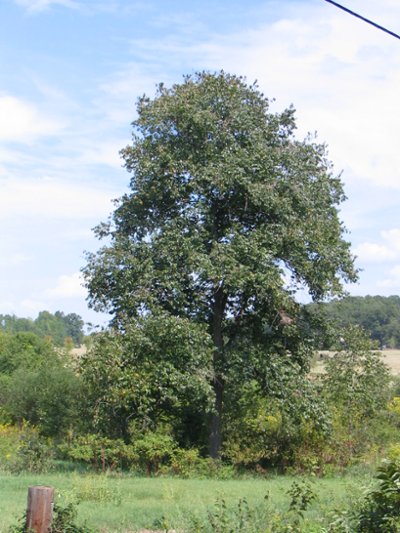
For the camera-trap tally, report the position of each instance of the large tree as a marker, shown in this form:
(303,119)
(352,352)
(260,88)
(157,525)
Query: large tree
(227,216)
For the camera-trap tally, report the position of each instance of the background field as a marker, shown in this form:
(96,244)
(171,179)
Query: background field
(390,357)
(144,501)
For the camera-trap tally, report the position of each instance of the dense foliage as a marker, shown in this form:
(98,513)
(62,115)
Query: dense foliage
(115,408)
(148,375)
(224,205)
(38,384)
(378,315)
(57,328)
(356,378)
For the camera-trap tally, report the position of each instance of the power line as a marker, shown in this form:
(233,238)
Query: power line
(364,19)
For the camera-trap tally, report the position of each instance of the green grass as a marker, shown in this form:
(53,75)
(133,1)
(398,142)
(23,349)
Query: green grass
(144,501)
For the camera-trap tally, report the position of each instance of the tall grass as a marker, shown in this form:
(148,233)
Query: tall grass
(133,504)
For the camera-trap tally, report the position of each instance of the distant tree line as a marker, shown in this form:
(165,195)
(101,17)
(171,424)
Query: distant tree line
(57,327)
(378,315)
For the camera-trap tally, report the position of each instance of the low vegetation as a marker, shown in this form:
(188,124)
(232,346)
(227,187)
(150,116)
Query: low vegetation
(65,423)
(54,407)
(353,503)
(129,503)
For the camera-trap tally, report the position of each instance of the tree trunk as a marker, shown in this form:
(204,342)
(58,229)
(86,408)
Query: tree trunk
(216,420)
(218,381)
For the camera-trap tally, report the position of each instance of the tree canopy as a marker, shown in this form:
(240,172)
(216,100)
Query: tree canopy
(227,216)
(38,384)
(57,327)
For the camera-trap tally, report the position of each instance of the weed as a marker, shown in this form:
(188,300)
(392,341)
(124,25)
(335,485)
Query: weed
(91,488)
(64,521)
(34,455)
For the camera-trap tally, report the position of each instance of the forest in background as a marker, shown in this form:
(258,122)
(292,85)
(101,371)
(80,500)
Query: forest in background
(57,327)
(378,315)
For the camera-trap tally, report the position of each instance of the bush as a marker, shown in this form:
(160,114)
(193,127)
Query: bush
(381,510)
(35,453)
(185,462)
(154,450)
(24,450)
(100,452)
(260,519)
(9,443)
(91,488)
(64,521)
(39,384)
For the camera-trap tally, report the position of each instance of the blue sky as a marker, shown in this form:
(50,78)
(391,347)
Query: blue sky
(70,74)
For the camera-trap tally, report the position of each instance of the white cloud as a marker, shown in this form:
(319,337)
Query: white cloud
(393,236)
(68,287)
(20,121)
(341,74)
(118,95)
(376,253)
(40,5)
(379,253)
(394,280)
(103,153)
(49,197)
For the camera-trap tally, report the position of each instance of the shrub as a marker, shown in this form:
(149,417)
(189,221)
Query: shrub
(356,380)
(91,488)
(64,521)
(260,519)
(23,449)
(185,462)
(9,443)
(100,452)
(35,453)
(154,450)
(381,510)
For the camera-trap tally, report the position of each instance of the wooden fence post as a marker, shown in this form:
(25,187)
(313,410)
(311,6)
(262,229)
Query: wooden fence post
(39,514)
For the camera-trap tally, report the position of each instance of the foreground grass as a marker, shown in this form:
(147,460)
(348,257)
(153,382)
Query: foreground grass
(137,503)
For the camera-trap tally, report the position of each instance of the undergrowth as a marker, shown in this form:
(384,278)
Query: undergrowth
(64,521)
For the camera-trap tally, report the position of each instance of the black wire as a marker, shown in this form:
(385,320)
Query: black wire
(364,19)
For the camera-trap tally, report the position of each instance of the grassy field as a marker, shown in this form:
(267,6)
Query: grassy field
(390,357)
(137,504)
